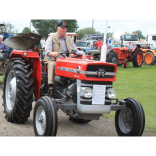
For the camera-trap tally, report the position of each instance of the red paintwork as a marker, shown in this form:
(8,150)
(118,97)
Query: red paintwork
(73,63)
(123,54)
(33,59)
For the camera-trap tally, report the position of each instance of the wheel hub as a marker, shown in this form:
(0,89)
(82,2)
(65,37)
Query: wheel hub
(126,120)
(40,120)
(10,91)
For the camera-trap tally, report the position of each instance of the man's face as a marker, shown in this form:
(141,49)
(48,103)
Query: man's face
(62,31)
(1,39)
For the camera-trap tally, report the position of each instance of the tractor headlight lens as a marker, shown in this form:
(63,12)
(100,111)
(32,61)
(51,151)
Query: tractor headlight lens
(91,58)
(86,92)
(111,93)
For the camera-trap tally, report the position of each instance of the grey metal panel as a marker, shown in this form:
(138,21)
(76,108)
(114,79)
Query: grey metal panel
(94,109)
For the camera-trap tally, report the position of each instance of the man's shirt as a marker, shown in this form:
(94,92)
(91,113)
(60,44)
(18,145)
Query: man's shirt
(49,47)
(4,47)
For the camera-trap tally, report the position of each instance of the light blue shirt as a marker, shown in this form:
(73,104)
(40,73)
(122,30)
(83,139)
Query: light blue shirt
(49,47)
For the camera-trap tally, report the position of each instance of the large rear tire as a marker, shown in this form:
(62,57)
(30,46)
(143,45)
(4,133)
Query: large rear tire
(17,90)
(45,118)
(112,57)
(130,121)
(149,58)
(137,58)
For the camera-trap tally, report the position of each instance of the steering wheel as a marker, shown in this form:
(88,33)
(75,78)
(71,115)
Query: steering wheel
(63,54)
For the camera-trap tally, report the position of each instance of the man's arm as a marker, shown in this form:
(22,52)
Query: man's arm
(6,48)
(77,51)
(49,47)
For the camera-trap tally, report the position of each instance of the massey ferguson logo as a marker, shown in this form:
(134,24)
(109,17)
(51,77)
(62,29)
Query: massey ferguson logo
(101,72)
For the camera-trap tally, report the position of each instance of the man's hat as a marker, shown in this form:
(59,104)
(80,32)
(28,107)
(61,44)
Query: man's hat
(62,24)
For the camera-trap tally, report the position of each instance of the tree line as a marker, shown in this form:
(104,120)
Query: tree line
(45,27)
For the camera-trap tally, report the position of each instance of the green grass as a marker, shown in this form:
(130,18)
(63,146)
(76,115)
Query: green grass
(138,83)
(1,81)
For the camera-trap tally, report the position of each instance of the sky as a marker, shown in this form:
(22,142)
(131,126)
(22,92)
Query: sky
(122,15)
(126,25)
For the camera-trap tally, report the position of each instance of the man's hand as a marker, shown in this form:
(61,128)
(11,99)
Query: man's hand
(84,56)
(1,50)
(54,54)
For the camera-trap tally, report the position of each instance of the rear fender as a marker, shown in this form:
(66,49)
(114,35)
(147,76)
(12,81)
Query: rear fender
(34,60)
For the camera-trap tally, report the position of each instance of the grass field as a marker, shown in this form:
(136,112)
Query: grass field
(138,83)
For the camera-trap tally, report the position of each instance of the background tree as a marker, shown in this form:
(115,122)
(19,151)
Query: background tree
(26,30)
(139,33)
(80,35)
(9,28)
(44,27)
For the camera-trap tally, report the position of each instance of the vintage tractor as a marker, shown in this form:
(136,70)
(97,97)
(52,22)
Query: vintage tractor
(149,53)
(83,89)
(122,55)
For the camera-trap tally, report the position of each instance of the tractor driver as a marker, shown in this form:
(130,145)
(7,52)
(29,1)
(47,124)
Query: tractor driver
(3,49)
(55,44)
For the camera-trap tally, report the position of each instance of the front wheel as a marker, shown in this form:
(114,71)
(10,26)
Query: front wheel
(126,63)
(130,121)
(45,118)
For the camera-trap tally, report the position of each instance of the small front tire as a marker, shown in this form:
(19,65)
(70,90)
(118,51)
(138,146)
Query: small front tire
(130,121)
(45,117)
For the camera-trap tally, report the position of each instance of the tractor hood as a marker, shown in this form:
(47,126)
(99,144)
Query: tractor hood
(23,41)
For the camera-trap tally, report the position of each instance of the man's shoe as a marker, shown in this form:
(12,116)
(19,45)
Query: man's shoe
(50,92)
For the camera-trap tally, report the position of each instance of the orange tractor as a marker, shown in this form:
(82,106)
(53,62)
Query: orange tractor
(149,53)
(122,55)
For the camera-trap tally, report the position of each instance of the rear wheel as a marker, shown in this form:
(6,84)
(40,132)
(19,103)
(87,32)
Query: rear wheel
(149,58)
(130,121)
(45,118)
(137,58)
(17,90)
(126,63)
(112,57)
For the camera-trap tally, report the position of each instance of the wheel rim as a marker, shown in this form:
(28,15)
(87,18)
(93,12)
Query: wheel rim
(40,120)
(148,58)
(125,120)
(10,91)
(139,58)
(114,60)
(127,64)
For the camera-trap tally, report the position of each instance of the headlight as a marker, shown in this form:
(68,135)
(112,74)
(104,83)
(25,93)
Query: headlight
(91,58)
(111,93)
(86,92)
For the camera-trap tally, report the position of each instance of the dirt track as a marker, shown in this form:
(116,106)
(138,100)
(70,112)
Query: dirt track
(102,127)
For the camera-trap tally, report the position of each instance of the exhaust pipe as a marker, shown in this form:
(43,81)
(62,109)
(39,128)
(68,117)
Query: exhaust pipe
(104,47)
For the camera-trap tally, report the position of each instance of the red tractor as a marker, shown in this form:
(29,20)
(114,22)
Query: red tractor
(83,89)
(122,55)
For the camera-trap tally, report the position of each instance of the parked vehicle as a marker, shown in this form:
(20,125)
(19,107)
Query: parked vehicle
(151,37)
(149,53)
(83,89)
(120,35)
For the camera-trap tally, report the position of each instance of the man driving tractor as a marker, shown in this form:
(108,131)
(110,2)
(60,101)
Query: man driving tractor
(58,43)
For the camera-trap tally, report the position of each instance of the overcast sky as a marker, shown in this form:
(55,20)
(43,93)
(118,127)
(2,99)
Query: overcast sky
(123,15)
(99,24)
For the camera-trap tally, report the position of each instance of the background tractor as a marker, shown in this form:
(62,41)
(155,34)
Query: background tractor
(149,53)
(83,89)
(122,55)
